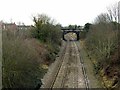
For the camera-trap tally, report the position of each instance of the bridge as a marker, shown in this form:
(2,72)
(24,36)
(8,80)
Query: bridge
(65,31)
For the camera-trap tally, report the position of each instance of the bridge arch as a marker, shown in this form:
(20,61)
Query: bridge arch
(77,32)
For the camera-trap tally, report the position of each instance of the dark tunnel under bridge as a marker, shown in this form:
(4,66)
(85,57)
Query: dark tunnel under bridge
(65,31)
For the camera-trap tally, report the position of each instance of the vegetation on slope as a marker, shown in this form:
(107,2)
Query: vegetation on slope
(47,32)
(102,42)
(26,53)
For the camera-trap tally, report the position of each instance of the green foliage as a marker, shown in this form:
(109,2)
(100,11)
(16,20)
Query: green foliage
(73,27)
(87,27)
(85,30)
(45,30)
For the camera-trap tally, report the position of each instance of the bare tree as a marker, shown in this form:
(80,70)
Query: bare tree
(113,12)
(102,37)
(103,18)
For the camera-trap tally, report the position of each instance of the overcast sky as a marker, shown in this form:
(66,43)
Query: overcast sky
(64,12)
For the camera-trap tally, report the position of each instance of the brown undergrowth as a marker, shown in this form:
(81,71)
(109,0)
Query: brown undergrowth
(25,60)
(111,71)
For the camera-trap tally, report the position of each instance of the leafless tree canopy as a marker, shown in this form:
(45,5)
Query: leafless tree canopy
(113,12)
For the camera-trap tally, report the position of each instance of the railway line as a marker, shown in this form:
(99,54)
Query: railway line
(69,71)
(86,80)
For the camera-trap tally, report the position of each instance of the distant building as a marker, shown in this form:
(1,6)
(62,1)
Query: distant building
(8,26)
(13,26)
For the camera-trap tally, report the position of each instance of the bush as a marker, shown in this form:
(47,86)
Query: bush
(46,31)
(23,55)
(102,40)
(20,62)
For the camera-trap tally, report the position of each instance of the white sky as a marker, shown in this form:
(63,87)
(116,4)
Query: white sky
(64,12)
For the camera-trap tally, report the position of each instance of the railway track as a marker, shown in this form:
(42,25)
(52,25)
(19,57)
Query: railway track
(50,78)
(86,80)
(71,72)
(60,70)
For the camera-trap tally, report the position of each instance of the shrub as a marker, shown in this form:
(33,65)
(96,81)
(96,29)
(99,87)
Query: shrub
(45,30)
(20,62)
(102,40)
